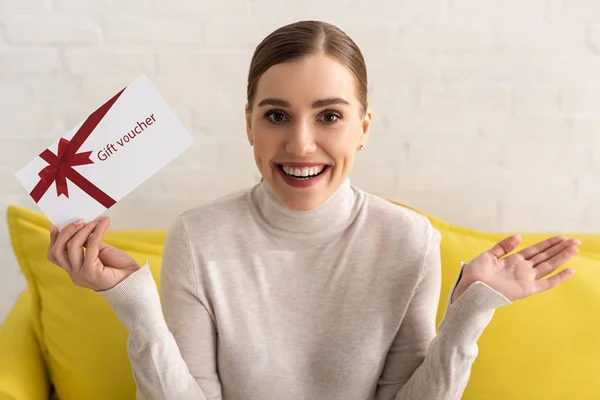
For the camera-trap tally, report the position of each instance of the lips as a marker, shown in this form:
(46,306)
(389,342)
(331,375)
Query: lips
(302,175)
(302,171)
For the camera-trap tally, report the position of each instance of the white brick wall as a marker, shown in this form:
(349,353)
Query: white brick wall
(486,112)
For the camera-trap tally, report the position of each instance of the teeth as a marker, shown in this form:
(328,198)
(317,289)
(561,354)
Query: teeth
(302,172)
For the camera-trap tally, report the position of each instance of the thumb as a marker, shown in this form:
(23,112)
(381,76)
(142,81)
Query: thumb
(505,246)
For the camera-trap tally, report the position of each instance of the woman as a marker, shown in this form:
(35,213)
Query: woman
(304,286)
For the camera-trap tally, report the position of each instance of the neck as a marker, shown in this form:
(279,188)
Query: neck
(330,216)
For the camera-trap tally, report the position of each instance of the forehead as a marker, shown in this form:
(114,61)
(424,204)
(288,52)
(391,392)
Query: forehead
(303,81)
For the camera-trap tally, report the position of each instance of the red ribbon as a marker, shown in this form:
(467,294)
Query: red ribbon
(61,165)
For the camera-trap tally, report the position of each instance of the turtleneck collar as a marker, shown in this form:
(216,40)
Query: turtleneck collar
(332,215)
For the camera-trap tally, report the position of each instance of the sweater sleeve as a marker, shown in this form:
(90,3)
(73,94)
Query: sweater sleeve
(171,346)
(423,365)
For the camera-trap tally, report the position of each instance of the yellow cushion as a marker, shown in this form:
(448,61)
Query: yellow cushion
(543,347)
(22,370)
(83,343)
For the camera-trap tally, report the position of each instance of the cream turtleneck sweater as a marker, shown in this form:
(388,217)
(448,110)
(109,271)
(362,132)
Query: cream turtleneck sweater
(259,302)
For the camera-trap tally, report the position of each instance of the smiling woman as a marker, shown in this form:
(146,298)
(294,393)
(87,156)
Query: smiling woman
(304,286)
(317,119)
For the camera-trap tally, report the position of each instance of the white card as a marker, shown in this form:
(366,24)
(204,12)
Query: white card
(115,149)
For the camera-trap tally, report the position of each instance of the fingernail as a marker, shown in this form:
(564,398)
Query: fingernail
(577,242)
(99,218)
(79,222)
(52,228)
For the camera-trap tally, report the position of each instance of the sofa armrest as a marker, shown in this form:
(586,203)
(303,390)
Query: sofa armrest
(23,373)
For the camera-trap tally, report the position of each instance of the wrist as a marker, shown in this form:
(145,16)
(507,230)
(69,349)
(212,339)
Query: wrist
(460,288)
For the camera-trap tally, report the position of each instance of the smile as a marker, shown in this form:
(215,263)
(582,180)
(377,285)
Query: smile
(304,173)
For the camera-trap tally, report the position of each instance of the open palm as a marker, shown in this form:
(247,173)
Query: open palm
(521,274)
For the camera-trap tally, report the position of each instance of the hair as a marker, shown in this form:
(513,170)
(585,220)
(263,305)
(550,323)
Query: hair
(302,39)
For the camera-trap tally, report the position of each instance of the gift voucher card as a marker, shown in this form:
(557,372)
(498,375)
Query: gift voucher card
(115,149)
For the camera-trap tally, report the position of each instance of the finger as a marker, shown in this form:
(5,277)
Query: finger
(59,250)
(94,242)
(505,246)
(53,236)
(549,266)
(537,248)
(546,284)
(75,246)
(552,251)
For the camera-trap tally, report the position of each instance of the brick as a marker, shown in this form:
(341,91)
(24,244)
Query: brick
(408,69)
(14,90)
(548,156)
(537,37)
(134,210)
(395,100)
(237,32)
(152,30)
(520,67)
(540,128)
(580,100)
(203,153)
(453,153)
(582,10)
(109,60)
(55,89)
(101,7)
(16,121)
(214,66)
(374,179)
(219,112)
(482,100)
(585,130)
(536,100)
(401,12)
(494,11)
(21,150)
(433,126)
(236,152)
(524,214)
(374,37)
(22,60)
(481,213)
(202,8)
(53,30)
(446,37)
(9,8)
(592,33)
(105,86)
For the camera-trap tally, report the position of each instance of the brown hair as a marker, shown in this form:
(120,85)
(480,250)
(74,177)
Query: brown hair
(305,38)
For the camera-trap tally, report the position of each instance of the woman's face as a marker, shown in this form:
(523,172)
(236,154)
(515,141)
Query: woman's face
(306,124)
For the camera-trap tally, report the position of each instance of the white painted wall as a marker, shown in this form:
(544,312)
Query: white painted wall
(486,112)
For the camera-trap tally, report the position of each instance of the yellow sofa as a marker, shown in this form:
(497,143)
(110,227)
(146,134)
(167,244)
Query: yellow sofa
(61,341)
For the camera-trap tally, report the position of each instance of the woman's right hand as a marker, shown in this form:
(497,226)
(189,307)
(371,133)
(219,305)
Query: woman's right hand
(101,266)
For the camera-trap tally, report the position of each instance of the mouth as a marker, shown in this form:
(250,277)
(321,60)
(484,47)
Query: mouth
(303,173)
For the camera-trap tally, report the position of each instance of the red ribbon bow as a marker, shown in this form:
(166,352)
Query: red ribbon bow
(61,165)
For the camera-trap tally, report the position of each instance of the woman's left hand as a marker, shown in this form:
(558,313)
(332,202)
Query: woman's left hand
(519,275)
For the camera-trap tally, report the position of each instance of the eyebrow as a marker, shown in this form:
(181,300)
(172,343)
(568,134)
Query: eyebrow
(316,104)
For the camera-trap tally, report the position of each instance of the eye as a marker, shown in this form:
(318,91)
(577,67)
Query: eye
(331,117)
(275,116)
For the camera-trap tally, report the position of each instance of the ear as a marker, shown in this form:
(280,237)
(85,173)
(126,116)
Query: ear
(366,127)
(249,124)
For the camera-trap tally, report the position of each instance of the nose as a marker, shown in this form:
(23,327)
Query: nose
(301,140)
